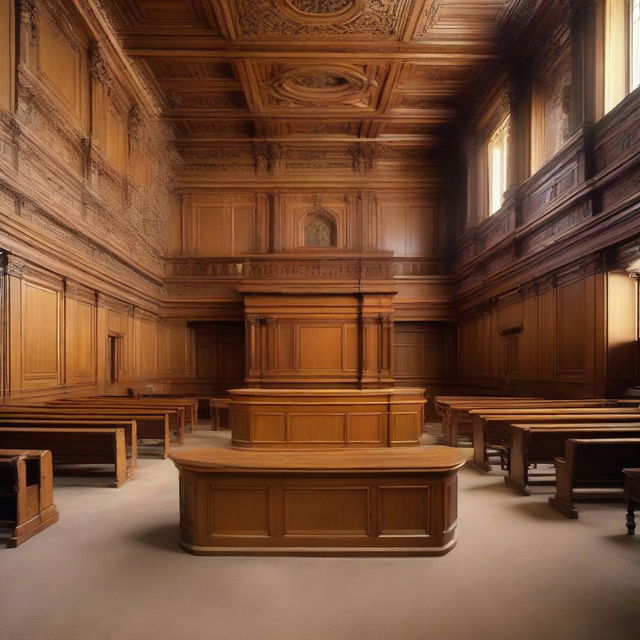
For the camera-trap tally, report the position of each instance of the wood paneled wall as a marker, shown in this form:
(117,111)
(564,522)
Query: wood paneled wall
(236,224)
(85,174)
(425,355)
(57,337)
(543,307)
(546,339)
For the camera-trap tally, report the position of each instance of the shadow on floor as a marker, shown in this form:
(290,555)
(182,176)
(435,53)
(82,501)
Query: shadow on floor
(538,510)
(163,537)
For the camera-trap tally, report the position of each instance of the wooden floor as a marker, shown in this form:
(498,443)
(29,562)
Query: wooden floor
(111,569)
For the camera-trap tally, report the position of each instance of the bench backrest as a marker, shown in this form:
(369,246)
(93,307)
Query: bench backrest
(601,461)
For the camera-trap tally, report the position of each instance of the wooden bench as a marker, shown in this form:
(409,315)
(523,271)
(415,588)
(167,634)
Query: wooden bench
(219,408)
(71,446)
(175,416)
(153,427)
(203,401)
(540,444)
(130,428)
(189,406)
(490,426)
(591,467)
(457,420)
(632,496)
(26,493)
(128,403)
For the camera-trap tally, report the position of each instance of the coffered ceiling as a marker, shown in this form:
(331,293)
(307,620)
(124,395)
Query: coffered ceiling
(323,72)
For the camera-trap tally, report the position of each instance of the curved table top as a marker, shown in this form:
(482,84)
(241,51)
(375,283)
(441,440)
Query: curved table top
(400,459)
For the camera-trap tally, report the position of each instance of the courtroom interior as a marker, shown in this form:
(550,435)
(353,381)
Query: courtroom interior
(319,319)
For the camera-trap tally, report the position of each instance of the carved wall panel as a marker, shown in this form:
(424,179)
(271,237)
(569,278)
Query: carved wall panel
(62,60)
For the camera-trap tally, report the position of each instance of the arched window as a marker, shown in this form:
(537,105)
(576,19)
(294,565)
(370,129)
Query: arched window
(319,228)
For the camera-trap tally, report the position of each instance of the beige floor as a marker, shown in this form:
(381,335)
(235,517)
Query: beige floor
(111,570)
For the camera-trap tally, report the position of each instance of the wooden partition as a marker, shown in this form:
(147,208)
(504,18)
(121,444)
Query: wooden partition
(326,417)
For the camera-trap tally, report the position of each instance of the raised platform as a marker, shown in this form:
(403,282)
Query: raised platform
(314,418)
(340,502)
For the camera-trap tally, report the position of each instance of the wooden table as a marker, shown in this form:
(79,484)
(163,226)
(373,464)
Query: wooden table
(333,502)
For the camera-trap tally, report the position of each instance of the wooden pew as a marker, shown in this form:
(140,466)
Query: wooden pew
(219,408)
(55,422)
(179,420)
(593,465)
(189,406)
(457,421)
(203,401)
(632,496)
(175,416)
(74,446)
(539,444)
(152,426)
(441,402)
(26,493)
(490,426)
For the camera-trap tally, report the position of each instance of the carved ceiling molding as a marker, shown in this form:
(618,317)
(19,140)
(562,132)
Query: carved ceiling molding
(308,17)
(322,86)
(320,12)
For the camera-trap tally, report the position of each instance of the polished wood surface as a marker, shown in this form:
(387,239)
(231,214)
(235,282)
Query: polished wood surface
(345,502)
(326,417)
(590,468)
(230,459)
(26,493)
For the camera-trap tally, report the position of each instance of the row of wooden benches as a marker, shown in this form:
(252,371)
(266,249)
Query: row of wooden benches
(73,436)
(589,441)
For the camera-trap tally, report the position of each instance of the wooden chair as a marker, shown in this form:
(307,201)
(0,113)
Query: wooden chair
(26,493)
(632,496)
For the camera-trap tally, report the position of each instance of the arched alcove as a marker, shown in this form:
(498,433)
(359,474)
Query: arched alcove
(319,228)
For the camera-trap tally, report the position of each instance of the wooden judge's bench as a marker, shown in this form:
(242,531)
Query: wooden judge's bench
(325,456)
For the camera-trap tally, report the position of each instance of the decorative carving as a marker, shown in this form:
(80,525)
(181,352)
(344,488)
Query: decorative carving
(29,10)
(372,17)
(319,228)
(318,86)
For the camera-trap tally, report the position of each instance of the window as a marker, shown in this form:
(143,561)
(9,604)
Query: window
(498,166)
(621,50)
